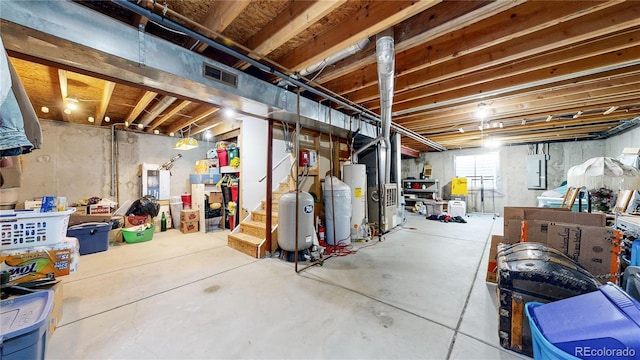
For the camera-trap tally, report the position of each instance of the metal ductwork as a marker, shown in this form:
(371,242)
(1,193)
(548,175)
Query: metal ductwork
(359,46)
(386,69)
(157,109)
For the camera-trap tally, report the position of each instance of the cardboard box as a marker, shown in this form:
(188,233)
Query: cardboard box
(11,176)
(492,267)
(188,226)
(135,220)
(594,248)
(32,204)
(548,214)
(99,210)
(115,236)
(215,197)
(76,219)
(35,263)
(189,215)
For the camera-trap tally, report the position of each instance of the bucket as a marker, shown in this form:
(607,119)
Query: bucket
(234,192)
(223,157)
(233,153)
(186,201)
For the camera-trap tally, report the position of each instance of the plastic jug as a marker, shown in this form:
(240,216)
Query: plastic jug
(635,253)
(223,159)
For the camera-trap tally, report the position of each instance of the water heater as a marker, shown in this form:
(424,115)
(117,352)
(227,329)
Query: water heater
(355,175)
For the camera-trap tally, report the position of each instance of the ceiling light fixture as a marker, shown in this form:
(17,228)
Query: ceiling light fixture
(186,144)
(549,118)
(44,109)
(171,134)
(461,130)
(140,126)
(482,111)
(610,110)
(524,121)
(91,119)
(156,131)
(577,114)
(107,119)
(71,102)
(500,125)
(67,111)
(207,134)
(229,113)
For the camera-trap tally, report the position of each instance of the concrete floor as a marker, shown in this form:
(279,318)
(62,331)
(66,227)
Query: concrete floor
(420,293)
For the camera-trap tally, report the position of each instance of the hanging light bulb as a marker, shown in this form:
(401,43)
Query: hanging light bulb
(140,126)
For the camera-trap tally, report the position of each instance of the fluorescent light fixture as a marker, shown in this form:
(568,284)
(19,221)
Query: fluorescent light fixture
(44,109)
(461,130)
(549,118)
(107,119)
(186,144)
(577,114)
(91,119)
(610,110)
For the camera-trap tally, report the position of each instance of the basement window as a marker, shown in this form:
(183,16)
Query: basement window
(480,170)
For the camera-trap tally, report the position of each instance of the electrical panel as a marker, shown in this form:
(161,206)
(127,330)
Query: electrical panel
(537,172)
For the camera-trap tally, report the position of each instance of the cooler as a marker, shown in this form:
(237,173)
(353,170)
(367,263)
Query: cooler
(457,208)
(24,325)
(93,237)
(604,324)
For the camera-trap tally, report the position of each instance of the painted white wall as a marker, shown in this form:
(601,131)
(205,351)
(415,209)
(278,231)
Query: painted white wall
(511,183)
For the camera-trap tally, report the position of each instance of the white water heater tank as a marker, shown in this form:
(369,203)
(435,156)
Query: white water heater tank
(287,221)
(337,211)
(355,175)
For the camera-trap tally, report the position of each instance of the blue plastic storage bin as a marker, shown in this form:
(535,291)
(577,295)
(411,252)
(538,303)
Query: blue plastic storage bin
(604,324)
(93,237)
(635,253)
(24,326)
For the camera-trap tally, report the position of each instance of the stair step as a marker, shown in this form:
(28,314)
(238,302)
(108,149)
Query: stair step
(254,228)
(274,205)
(261,216)
(247,244)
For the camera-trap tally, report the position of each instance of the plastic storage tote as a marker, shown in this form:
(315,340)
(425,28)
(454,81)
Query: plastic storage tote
(542,348)
(603,324)
(24,326)
(27,228)
(93,237)
(138,233)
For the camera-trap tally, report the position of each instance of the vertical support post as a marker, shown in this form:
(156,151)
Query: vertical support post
(269,196)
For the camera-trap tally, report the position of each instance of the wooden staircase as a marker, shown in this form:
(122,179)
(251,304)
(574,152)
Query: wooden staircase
(251,237)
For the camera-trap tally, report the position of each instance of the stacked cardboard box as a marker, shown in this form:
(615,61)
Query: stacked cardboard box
(581,236)
(189,220)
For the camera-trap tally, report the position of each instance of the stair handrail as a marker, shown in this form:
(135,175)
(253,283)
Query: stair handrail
(275,167)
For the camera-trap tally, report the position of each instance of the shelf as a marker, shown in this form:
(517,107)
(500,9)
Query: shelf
(229,170)
(420,191)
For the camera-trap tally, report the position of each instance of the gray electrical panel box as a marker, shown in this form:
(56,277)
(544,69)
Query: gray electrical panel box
(537,172)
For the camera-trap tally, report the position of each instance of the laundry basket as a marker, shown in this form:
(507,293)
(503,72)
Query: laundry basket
(138,233)
(26,228)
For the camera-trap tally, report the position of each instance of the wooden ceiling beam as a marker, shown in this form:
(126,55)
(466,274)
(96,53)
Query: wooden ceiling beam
(159,121)
(494,31)
(107,91)
(141,104)
(368,21)
(296,18)
(407,151)
(220,15)
(529,73)
(64,92)
(441,19)
(202,113)
(562,36)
